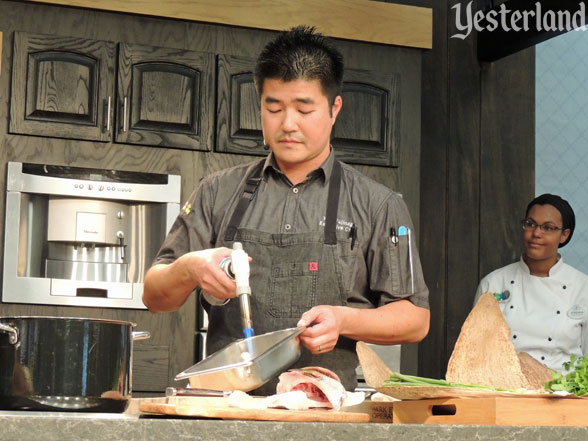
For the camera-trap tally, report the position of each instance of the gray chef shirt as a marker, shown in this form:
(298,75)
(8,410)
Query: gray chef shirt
(384,265)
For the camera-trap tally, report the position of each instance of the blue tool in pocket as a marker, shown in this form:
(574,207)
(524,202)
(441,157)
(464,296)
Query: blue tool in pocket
(405,231)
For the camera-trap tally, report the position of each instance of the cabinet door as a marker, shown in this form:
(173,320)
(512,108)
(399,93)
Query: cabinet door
(62,87)
(367,130)
(165,97)
(238,128)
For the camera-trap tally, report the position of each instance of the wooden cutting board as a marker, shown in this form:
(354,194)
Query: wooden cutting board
(494,411)
(204,407)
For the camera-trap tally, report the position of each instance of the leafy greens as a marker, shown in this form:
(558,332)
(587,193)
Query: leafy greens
(575,381)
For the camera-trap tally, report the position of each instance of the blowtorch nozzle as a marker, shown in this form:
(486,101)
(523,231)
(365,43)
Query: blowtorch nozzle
(240,267)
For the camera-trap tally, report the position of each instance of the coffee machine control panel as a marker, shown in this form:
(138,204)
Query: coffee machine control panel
(101,188)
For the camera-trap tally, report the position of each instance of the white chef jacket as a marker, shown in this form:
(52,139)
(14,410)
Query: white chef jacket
(547,316)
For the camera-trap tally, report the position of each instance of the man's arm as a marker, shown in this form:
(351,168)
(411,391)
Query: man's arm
(394,323)
(167,286)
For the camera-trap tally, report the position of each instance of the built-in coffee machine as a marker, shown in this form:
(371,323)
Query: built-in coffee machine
(83,237)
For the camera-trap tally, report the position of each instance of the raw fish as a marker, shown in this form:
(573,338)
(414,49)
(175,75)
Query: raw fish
(302,389)
(320,385)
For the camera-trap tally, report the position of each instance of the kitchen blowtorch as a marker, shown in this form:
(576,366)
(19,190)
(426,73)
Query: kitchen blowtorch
(237,267)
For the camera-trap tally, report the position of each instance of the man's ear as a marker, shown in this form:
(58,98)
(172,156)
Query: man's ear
(336,108)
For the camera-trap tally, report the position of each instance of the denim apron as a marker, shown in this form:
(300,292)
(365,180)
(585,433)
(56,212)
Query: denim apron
(290,273)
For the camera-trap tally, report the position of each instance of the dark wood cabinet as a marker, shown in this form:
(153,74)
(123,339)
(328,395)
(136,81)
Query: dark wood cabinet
(62,87)
(238,128)
(366,132)
(165,97)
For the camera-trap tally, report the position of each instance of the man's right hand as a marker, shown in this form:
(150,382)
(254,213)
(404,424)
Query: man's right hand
(168,286)
(208,274)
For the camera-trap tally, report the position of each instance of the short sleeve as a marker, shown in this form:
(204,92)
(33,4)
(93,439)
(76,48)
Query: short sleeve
(393,259)
(193,228)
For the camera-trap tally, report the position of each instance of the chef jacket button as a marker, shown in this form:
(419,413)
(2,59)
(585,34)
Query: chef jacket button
(548,338)
(511,307)
(512,282)
(295,190)
(288,227)
(558,312)
(514,336)
(542,357)
(564,287)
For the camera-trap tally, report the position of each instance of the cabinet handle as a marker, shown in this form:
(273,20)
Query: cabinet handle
(125,115)
(108,113)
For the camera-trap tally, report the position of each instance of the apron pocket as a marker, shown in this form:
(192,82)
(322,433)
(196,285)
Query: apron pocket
(346,266)
(287,280)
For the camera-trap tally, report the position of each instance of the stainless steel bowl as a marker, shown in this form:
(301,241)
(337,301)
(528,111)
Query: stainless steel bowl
(246,364)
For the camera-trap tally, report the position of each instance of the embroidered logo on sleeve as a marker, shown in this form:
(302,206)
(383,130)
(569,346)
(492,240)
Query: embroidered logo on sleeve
(312,266)
(187,208)
(577,312)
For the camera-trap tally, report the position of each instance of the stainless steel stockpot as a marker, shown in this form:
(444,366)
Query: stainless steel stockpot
(66,364)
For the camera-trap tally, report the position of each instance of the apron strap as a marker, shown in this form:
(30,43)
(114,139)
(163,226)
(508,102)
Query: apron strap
(333,205)
(251,186)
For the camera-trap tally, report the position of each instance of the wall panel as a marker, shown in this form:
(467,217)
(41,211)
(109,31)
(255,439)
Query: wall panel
(477,171)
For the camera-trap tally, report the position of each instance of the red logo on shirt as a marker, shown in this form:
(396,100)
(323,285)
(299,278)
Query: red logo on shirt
(312,266)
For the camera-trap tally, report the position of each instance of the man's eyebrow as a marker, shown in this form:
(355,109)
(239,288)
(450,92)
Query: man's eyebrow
(305,100)
(270,100)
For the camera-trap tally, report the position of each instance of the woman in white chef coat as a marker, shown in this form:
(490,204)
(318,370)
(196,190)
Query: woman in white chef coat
(544,300)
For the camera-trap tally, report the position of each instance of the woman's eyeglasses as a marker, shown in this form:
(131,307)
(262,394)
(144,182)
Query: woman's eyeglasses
(529,225)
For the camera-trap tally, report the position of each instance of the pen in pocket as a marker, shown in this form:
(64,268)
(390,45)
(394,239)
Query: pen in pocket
(405,231)
(393,236)
(353,235)
(410,262)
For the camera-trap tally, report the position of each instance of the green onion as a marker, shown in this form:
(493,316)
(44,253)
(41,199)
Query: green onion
(397,379)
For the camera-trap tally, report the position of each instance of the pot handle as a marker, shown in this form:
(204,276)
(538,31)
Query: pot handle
(141,335)
(13,337)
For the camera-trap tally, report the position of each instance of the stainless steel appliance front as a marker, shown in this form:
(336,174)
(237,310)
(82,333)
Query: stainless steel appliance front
(83,237)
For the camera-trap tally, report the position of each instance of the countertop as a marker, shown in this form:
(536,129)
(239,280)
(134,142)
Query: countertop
(61,426)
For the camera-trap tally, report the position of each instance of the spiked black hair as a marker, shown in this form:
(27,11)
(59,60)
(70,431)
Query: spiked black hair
(301,53)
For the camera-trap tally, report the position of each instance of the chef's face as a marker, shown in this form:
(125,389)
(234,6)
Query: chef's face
(297,120)
(541,245)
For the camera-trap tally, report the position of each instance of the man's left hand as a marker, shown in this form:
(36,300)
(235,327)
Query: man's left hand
(322,336)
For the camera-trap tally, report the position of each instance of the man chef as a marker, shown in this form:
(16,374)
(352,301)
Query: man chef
(332,250)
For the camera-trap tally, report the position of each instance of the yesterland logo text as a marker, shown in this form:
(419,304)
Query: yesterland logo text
(514,20)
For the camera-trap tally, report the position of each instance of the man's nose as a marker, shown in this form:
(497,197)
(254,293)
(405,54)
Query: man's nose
(290,121)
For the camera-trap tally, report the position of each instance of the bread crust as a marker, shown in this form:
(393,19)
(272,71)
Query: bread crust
(484,354)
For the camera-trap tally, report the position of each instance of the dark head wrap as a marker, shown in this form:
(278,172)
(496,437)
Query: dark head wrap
(565,209)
